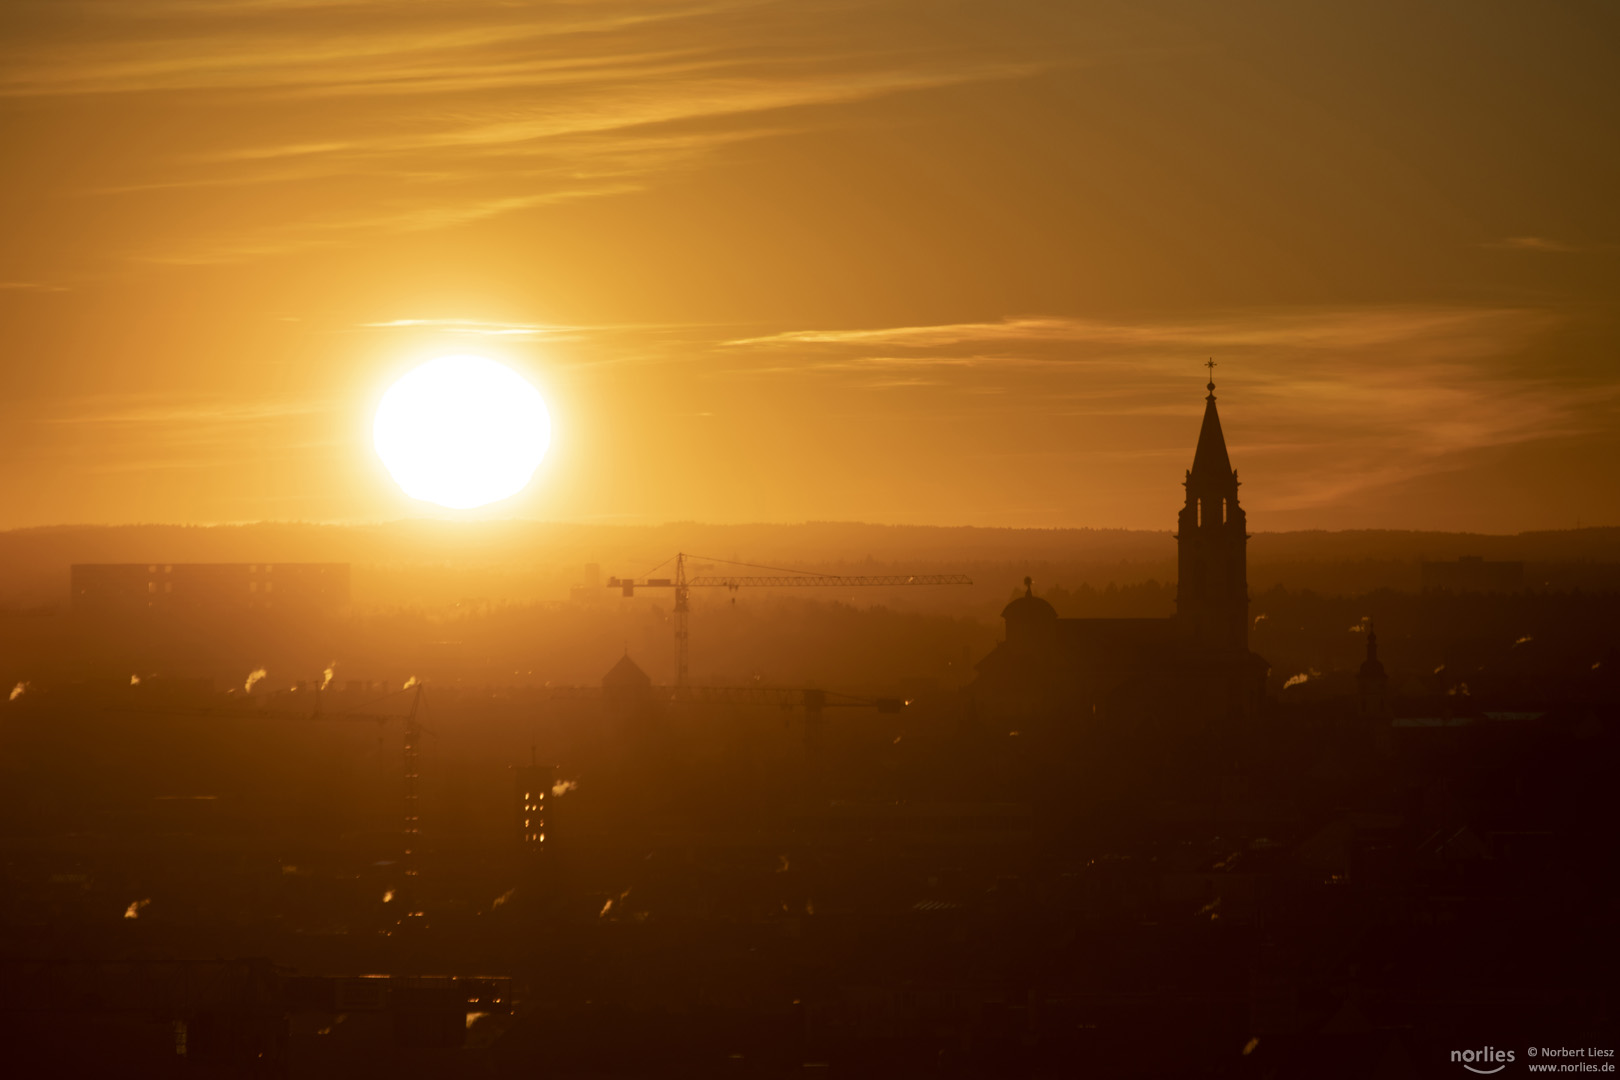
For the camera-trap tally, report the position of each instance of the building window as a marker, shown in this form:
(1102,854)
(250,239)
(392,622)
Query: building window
(151,586)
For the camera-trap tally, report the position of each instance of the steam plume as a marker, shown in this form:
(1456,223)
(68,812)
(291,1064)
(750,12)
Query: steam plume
(134,909)
(326,676)
(563,787)
(254,676)
(18,691)
(134,680)
(410,682)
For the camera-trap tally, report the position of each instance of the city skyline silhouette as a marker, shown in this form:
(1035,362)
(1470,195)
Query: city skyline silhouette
(782,538)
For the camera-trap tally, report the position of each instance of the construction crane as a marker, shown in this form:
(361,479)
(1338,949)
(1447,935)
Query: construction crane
(413,737)
(413,731)
(781,578)
(410,832)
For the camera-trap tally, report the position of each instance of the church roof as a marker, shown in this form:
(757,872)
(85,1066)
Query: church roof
(1122,644)
(626,673)
(1210,459)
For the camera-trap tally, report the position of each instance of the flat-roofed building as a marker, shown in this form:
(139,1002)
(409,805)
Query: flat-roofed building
(117,588)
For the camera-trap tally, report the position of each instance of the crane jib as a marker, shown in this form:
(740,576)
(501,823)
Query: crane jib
(796,580)
(834,580)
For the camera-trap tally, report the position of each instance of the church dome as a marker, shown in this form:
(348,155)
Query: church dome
(1028,613)
(1029,609)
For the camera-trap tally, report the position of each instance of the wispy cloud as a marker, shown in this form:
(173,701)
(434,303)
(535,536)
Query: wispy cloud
(478,328)
(120,435)
(1464,328)
(455,112)
(1529,243)
(183,412)
(1368,396)
(30,286)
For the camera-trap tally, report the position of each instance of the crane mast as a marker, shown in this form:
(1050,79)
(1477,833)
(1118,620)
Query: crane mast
(682,610)
(411,832)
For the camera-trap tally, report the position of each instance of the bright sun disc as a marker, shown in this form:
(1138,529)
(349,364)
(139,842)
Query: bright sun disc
(462,431)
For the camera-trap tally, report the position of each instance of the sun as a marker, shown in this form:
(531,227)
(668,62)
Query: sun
(461,431)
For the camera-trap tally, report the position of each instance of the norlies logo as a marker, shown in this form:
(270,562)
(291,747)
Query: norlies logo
(1479,1061)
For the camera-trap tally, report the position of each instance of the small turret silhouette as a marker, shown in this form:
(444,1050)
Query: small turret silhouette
(1371,680)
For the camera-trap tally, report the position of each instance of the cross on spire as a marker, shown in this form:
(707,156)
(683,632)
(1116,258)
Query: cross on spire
(1211,365)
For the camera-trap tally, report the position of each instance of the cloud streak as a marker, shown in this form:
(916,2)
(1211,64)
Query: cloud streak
(1530,243)
(188,433)
(1371,396)
(454,113)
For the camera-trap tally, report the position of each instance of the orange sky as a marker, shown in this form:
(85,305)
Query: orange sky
(912,262)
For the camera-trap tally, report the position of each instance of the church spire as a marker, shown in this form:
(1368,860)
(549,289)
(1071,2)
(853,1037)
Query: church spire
(1210,461)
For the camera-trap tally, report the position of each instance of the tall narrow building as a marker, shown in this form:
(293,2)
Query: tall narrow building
(531,784)
(1212,587)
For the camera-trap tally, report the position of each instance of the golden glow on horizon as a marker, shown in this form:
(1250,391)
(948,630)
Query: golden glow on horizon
(779,261)
(462,431)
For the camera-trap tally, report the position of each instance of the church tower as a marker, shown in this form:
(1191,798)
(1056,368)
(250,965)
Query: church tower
(1212,589)
(1373,681)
